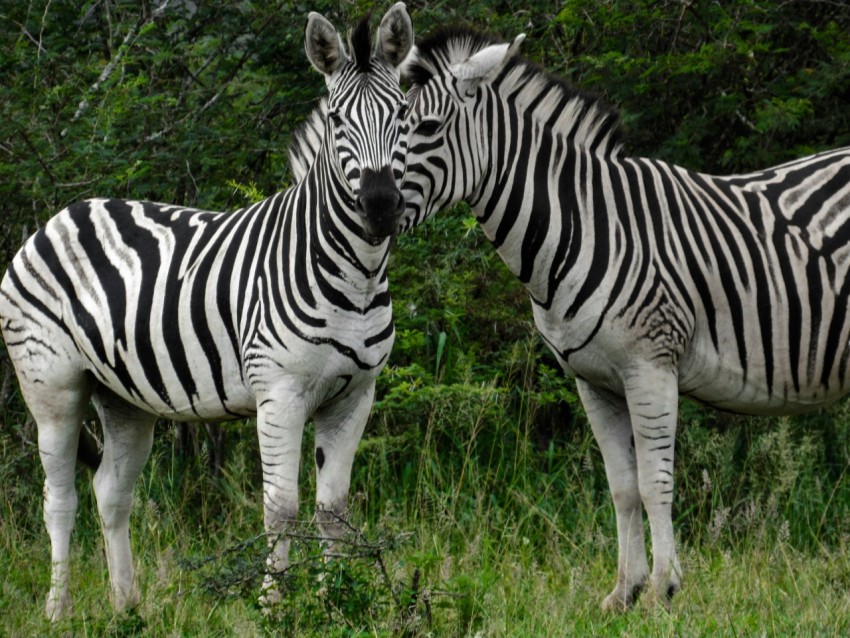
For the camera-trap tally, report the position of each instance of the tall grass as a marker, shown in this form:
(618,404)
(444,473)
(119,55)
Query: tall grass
(479,518)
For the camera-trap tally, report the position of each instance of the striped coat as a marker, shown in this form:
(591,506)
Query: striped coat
(280,310)
(647,281)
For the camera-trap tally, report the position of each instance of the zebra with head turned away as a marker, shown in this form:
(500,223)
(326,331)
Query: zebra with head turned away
(647,280)
(278,310)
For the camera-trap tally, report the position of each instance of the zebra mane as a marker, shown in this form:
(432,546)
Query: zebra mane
(581,116)
(307,141)
(360,44)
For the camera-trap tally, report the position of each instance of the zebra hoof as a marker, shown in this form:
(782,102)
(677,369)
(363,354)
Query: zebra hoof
(270,596)
(124,600)
(663,592)
(58,606)
(622,598)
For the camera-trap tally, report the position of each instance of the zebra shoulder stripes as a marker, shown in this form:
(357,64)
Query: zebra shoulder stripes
(279,310)
(647,280)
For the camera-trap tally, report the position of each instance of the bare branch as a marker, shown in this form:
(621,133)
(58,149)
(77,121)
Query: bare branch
(23,29)
(41,31)
(109,68)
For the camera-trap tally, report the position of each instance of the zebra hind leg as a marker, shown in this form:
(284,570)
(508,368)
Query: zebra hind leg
(58,413)
(56,390)
(58,435)
(127,440)
(612,429)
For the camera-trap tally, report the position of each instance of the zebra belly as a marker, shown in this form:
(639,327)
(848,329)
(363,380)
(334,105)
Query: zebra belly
(207,403)
(317,372)
(710,375)
(716,381)
(164,392)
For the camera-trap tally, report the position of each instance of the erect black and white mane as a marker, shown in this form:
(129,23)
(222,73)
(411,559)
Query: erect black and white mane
(581,117)
(307,141)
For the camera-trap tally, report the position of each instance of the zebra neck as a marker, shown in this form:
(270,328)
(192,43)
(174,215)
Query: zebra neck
(541,206)
(330,229)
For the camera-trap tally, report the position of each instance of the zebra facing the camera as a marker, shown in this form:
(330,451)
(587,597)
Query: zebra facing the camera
(279,310)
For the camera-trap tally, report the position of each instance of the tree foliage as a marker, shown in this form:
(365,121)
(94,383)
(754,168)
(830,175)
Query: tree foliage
(718,86)
(182,102)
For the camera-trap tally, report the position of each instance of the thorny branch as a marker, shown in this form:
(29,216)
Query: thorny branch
(247,562)
(194,114)
(37,156)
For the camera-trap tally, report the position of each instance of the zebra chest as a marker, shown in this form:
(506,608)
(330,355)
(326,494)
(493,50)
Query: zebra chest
(324,360)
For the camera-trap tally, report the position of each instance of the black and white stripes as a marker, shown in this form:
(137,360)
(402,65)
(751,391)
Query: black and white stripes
(279,310)
(647,280)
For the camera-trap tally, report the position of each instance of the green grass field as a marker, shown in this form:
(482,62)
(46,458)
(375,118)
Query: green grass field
(487,587)
(464,526)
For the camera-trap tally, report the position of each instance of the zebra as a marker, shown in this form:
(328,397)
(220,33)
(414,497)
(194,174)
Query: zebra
(647,281)
(306,141)
(280,310)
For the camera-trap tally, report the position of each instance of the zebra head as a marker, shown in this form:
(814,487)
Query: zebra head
(450,117)
(365,131)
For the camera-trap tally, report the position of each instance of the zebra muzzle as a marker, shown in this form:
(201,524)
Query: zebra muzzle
(380,203)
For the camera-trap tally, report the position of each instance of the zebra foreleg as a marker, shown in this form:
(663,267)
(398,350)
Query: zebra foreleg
(653,398)
(280,427)
(338,432)
(127,441)
(609,419)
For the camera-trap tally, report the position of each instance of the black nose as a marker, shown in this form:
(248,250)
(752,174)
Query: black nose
(380,202)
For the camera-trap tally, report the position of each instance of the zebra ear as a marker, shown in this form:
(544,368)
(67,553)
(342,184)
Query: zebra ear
(323,45)
(484,65)
(395,35)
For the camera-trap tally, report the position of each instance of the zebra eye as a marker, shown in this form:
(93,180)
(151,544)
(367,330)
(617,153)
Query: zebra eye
(428,127)
(336,118)
(402,111)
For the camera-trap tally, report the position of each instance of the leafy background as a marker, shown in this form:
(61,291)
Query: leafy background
(478,487)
